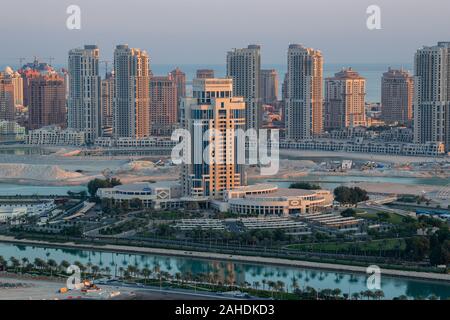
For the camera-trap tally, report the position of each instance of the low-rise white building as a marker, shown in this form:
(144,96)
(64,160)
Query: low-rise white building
(367,146)
(159,195)
(268,199)
(10,209)
(11,128)
(54,135)
(126,142)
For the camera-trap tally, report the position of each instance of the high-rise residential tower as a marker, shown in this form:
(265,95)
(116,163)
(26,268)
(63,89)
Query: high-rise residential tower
(15,79)
(304,114)
(180,79)
(47,104)
(244,67)
(163,104)
(84,103)
(7,109)
(345,100)
(432,94)
(107,94)
(269,86)
(132,100)
(212,110)
(397,91)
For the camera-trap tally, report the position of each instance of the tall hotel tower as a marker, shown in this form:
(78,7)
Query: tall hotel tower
(132,93)
(397,91)
(212,107)
(304,92)
(432,94)
(244,67)
(84,104)
(345,101)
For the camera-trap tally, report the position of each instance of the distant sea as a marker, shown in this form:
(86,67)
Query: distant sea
(371,71)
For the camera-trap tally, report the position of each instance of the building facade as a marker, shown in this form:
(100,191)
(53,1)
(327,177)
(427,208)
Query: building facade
(54,135)
(432,94)
(205,74)
(397,93)
(266,199)
(180,79)
(269,86)
(304,101)
(107,101)
(132,100)
(47,101)
(7,109)
(15,79)
(84,103)
(211,116)
(163,104)
(244,67)
(345,95)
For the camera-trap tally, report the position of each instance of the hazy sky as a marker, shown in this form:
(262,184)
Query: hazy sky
(201,31)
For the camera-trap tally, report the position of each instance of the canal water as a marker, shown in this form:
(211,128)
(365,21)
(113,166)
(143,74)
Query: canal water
(232,271)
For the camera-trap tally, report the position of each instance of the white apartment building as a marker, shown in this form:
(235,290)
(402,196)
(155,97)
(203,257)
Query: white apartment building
(132,93)
(432,94)
(54,135)
(84,103)
(304,101)
(10,209)
(244,67)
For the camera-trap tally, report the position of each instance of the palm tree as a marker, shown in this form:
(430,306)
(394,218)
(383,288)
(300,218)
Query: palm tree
(355,296)
(2,261)
(146,273)
(256,284)
(95,270)
(24,262)
(63,265)
(336,293)
(51,265)
(264,282)
(14,263)
(379,294)
(178,276)
(280,286)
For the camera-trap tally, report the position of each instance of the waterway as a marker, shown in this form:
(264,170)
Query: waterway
(231,271)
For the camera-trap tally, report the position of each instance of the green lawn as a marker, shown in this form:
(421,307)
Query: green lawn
(374,245)
(393,218)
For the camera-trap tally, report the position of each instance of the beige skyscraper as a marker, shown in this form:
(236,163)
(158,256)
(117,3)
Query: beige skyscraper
(244,67)
(212,107)
(132,100)
(269,86)
(163,105)
(432,94)
(15,79)
(47,101)
(304,101)
(84,103)
(7,110)
(108,101)
(345,100)
(397,93)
